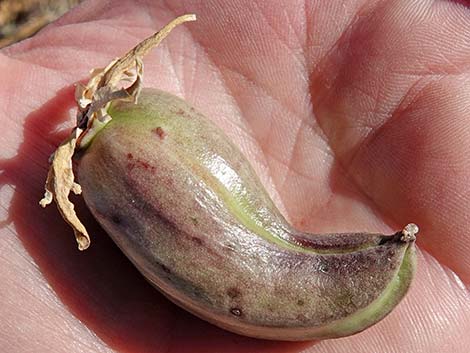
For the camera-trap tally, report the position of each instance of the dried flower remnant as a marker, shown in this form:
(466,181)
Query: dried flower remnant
(93,100)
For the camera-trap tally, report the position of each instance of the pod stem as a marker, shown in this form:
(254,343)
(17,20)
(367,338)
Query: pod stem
(406,235)
(93,100)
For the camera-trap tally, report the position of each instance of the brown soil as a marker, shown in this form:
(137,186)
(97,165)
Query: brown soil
(20,19)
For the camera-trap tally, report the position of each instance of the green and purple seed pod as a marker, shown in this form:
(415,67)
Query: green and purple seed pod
(186,207)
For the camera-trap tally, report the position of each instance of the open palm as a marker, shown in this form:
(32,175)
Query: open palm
(354,114)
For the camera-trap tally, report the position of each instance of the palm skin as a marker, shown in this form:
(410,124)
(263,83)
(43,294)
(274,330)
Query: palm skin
(354,114)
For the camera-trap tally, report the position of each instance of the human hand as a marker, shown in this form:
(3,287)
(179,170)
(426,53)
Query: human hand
(354,116)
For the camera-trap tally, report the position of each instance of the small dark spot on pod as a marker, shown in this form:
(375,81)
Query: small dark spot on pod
(233,292)
(165,269)
(324,268)
(116,219)
(197,292)
(300,302)
(236,311)
(143,164)
(130,156)
(197,241)
(160,132)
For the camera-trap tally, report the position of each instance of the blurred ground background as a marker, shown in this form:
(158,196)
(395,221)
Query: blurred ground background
(20,19)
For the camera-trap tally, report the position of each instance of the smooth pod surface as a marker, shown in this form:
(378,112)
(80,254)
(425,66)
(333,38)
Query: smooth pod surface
(187,209)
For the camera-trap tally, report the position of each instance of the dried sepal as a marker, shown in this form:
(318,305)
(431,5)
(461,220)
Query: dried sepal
(60,182)
(93,100)
(104,87)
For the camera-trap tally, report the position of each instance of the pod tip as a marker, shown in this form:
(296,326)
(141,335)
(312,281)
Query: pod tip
(408,234)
